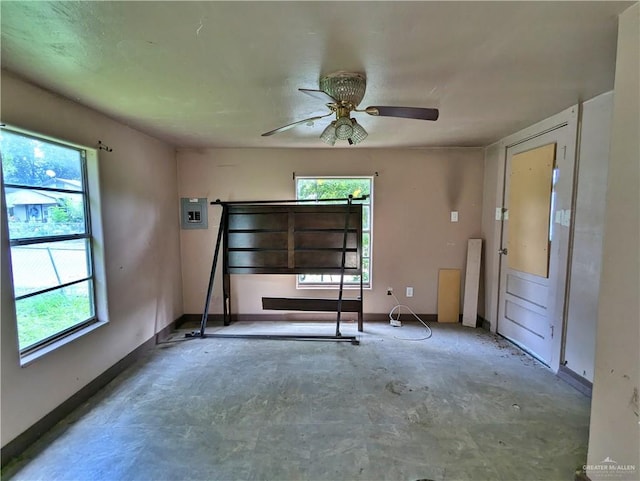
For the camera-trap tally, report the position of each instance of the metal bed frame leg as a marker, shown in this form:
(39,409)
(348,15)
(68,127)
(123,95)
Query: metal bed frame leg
(214,264)
(344,254)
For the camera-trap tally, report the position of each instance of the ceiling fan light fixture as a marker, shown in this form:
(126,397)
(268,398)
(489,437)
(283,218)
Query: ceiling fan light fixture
(328,136)
(359,134)
(344,128)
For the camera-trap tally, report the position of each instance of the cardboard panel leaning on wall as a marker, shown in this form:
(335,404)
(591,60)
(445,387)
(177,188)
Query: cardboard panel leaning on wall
(413,236)
(141,252)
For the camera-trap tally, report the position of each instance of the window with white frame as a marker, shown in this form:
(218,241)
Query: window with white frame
(46,196)
(320,188)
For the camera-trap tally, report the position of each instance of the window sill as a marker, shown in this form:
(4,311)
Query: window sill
(34,356)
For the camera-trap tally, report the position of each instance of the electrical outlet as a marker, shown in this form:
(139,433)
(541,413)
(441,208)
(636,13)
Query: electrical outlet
(409,291)
(389,291)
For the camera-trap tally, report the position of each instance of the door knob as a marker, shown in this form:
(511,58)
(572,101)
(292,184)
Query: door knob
(503,251)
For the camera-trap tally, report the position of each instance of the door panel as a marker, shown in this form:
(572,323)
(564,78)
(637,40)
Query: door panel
(527,289)
(524,316)
(534,343)
(525,295)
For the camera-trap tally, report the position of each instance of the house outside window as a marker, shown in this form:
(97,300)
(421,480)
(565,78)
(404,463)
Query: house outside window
(46,196)
(328,187)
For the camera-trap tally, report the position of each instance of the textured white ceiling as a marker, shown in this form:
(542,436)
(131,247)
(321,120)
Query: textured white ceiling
(218,74)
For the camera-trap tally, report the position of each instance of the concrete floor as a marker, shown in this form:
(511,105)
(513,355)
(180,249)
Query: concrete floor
(463,405)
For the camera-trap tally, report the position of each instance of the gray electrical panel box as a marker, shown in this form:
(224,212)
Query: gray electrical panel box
(194,213)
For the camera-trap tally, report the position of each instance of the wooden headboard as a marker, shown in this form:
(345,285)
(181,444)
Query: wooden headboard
(287,237)
(292,239)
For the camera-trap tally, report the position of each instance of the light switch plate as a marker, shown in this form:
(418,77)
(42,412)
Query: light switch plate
(454,216)
(559,217)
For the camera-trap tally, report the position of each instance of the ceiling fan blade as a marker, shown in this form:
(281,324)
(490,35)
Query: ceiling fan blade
(320,95)
(405,112)
(289,126)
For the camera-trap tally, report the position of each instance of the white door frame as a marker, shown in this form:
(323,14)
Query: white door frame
(560,257)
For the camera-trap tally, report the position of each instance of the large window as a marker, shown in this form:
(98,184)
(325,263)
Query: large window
(45,187)
(319,188)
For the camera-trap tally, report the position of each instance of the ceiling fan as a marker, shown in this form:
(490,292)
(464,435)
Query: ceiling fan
(342,92)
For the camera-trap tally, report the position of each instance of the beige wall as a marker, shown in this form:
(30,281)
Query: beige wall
(413,196)
(141,252)
(615,428)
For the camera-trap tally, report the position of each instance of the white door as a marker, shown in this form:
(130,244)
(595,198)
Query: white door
(528,276)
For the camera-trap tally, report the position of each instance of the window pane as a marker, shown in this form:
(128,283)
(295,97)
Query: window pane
(331,188)
(365,244)
(366,213)
(327,279)
(44,315)
(365,271)
(42,266)
(37,163)
(309,278)
(37,213)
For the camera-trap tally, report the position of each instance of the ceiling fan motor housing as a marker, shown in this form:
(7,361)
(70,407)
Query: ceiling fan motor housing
(345,87)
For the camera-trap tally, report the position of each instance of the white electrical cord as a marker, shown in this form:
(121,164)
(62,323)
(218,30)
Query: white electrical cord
(392,319)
